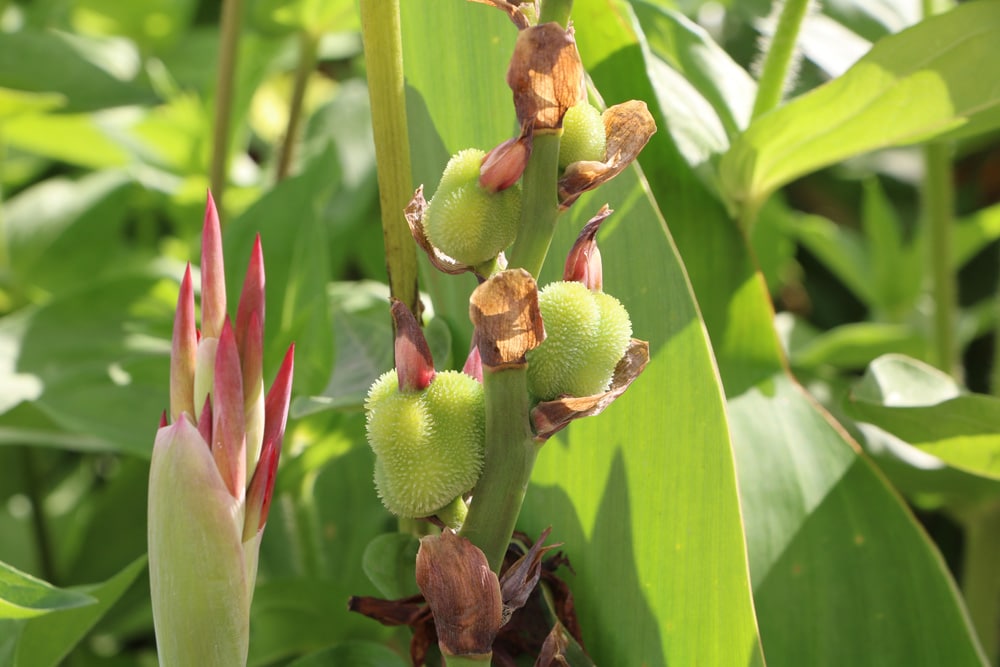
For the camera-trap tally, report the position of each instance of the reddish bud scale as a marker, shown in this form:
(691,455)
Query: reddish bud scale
(228,429)
(414,364)
(213,274)
(583,263)
(205,421)
(503,165)
(278,397)
(251,298)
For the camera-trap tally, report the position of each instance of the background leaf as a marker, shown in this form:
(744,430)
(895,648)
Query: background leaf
(913,86)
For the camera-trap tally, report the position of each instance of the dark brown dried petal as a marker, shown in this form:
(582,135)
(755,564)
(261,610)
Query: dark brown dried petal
(628,127)
(549,417)
(504,311)
(462,591)
(546,76)
(520,578)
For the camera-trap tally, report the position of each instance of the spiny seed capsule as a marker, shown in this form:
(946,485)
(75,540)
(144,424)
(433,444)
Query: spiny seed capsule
(464,220)
(586,335)
(583,136)
(429,444)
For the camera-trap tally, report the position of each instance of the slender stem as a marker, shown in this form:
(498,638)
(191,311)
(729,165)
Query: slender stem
(981,576)
(380,31)
(43,541)
(539,205)
(555,10)
(308,47)
(510,456)
(780,56)
(939,199)
(467,660)
(232,13)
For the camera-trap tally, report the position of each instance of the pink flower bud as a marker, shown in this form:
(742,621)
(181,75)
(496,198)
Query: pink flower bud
(414,365)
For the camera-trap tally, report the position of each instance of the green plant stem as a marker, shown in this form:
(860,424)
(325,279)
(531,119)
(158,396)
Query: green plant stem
(510,457)
(308,48)
(780,56)
(33,487)
(539,205)
(229,42)
(939,197)
(555,10)
(380,31)
(981,576)
(468,660)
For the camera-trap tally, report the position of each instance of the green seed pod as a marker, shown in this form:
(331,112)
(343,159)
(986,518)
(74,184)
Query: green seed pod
(583,135)
(428,444)
(464,220)
(586,334)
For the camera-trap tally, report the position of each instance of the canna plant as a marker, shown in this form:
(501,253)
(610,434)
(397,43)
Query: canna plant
(541,358)
(213,468)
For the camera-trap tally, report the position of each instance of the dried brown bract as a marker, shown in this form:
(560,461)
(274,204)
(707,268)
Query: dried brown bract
(414,214)
(462,591)
(546,76)
(504,311)
(549,417)
(628,127)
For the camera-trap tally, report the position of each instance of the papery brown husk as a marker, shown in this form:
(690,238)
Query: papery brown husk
(550,417)
(528,627)
(414,214)
(628,127)
(545,75)
(504,311)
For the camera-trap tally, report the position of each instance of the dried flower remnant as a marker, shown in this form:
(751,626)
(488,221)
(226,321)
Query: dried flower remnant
(546,76)
(463,594)
(628,128)
(504,312)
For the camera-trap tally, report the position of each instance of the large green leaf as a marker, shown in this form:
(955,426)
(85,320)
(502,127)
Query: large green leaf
(643,495)
(23,596)
(923,82)
(46,641)
(822,527)
(925,408)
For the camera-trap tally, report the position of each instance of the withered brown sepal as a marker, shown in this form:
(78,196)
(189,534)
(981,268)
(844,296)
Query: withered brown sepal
(628,127)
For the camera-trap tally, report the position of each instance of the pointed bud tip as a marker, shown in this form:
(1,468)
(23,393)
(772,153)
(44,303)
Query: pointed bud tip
(414,364)
(583,263)
(502,167)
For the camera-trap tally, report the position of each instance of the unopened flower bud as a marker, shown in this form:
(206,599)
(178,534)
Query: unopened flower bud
(502,167)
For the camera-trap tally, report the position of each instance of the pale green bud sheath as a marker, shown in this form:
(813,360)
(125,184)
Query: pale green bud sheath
(196,564)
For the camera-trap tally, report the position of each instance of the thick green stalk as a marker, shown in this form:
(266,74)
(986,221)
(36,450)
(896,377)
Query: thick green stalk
(539,205)
(380,31)
(780,55)
(308,47)
(981,577)
(510,456)
(232,13)
(939,197)
(467,660)
(555,10)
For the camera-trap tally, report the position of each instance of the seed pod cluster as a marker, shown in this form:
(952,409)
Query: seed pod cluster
(466,221)
(429,444)
(583,136)
(586,335)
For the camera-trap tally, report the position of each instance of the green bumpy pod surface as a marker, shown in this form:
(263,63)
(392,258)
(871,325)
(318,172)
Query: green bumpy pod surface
(467,222)
(428,444)
(583,136)
(586,335)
